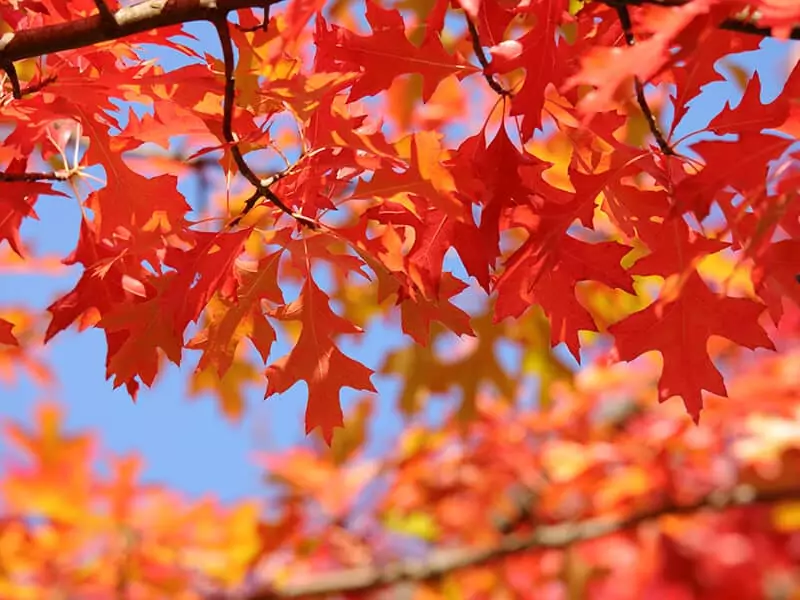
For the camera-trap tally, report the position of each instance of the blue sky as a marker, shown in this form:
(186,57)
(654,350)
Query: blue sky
(186,443)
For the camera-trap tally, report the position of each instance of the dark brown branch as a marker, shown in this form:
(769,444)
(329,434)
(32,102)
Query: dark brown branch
(262,187)
(731,24)
(652,123)
(34,87)
(478,49)
(31,177)
(754,29)
(447,561)
(154,14)
(139,18)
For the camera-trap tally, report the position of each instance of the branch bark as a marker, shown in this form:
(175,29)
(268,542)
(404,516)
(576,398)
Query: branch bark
(731,24)
(31,177)
(153,14)
(443,562)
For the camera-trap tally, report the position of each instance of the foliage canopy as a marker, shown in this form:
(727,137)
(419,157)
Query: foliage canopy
(519,135)
(503,177)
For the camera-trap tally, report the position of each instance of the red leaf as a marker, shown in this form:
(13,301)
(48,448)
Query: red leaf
(244,317)
(434,234)
(500,177)
(145,207)
(424,177)
(698,68)
(101,286)
(136,333)
(493,17)
(298,13)
(386,53)
(742,165)
(200,272)
(417,313)
(679,328)
(6,335)
(316,360)
(775,275)
(547,275)
(16,203)
(750,114)
(674,248)
(536,53)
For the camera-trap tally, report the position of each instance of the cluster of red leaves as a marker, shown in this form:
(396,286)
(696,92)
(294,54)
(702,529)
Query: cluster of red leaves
(462,501)
(555,189)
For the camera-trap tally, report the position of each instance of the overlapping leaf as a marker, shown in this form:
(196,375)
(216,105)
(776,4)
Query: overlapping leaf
(546,183)
(386,53)
(317,360)
(679,327)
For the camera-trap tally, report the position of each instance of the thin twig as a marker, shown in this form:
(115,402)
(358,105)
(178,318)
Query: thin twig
(739,26)
(262,190)
(482,58)
(266,183)
(11,71)
(652,123)
(32,88)
(559,536)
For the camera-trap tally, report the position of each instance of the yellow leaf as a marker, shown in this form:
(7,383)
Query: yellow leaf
(416,524)
(348,439)
(786,516)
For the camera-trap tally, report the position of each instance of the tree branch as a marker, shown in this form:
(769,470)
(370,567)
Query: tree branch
(562,535)
(145,16)
(105,14)
(31,177)
(153,14)
(737,24)
(754,29)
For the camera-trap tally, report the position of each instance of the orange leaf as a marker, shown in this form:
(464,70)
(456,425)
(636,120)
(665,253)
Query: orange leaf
(316,360)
